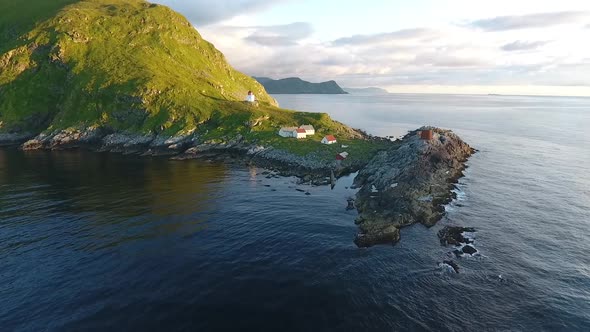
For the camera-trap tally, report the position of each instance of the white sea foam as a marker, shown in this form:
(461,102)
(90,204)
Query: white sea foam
(469,235)
(446,267)
(461,195)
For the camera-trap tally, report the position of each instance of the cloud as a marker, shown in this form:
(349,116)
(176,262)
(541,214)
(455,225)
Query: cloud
(523,45)
(205,12)
(447,60)
(451,55)
(539,20)
(406,34)
(280,35)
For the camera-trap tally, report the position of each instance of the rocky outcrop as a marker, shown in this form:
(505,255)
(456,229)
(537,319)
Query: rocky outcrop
(454,235)
(407,185)
(102,139)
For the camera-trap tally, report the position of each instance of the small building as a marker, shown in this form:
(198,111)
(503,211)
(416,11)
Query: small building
(299,133)
(342,155)
(329,139)
(287,131)
(309,129)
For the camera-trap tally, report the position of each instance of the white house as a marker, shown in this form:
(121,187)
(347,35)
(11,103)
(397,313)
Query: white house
(309,129)
(329,139)
(299,133)
(287,132)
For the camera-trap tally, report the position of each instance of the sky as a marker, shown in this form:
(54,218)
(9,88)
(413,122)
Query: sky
(422,46)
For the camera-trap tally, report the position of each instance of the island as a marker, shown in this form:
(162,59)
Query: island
(133,77)
(295,85)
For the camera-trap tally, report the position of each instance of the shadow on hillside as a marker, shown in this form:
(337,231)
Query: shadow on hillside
(17,20)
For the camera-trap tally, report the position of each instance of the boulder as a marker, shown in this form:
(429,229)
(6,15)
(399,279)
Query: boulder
(467,249)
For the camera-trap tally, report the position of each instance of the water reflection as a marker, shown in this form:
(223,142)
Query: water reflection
(111,198)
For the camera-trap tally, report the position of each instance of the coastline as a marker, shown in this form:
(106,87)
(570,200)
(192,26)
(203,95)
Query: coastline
(310,168)
(407,183)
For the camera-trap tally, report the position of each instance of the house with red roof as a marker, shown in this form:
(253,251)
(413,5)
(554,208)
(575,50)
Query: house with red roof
(329,139)
(299,133)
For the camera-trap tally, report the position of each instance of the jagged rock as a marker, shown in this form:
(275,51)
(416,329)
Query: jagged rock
(453,235)
(127,143)
(410,183)
(350,205)
(388,234)
(467,249)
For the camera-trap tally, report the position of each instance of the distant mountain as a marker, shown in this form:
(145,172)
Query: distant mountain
(295,85)
(366,91)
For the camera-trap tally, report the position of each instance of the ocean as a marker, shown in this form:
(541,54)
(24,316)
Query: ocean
(101,241)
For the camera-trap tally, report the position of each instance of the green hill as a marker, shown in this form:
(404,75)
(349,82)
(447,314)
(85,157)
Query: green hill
(131,67)
(295,85)
(126,64)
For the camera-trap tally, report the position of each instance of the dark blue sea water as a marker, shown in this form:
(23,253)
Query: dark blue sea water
(105,242)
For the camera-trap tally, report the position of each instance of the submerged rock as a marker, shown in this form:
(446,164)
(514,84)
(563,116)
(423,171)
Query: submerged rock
(409,184)
(452,264)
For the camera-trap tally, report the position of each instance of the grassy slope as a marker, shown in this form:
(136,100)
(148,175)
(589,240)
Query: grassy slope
(131,66)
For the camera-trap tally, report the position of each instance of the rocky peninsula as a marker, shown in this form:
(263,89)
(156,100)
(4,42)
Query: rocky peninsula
(408,184)
(165,91)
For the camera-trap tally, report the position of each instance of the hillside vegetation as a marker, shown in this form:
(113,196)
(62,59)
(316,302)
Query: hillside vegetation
(133,67)
(127,64)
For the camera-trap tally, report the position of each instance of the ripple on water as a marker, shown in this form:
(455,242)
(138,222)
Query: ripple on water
(96,241)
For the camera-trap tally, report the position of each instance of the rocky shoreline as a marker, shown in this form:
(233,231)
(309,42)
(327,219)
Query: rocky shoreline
(308,169)
(408,184)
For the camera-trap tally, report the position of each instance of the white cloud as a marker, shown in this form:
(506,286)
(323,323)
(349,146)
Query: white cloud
(280,35)
(539,20)
(400,35)
(523,45)
(437,56)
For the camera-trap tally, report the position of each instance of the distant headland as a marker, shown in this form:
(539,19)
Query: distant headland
(295,85)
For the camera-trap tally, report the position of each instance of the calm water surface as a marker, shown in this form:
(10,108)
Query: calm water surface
(101,242)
